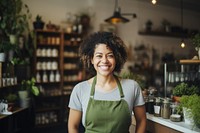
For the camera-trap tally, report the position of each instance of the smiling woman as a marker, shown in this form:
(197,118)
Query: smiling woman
(112,42)
(105,94)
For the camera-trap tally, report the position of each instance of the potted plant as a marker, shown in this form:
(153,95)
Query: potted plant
(148,25)
(5,47)
(183,89)
(166,25)
(27,90)
(12,99)
(14,19)
(191,107)
(2,52)
(38,23)
(196,42)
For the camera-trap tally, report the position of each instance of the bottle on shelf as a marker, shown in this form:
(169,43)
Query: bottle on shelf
(44,77)
(57,79)
(51,77)
(38,77)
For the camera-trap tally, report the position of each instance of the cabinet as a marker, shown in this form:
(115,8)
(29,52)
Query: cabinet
(182,71)
(47,67)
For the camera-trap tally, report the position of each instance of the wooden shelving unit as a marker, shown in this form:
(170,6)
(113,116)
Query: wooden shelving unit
(47,67)
(51,105)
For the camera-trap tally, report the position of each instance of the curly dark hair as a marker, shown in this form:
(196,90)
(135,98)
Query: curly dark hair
(115,43)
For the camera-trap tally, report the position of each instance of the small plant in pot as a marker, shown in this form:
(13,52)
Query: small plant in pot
(27,90)
(184,89)
(166,25)
(38,23)
(2,53)
(148,25)
(192,107)
(12,99)
(5,47)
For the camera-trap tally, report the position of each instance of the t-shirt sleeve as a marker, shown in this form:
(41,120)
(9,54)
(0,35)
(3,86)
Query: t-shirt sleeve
(139,99)
(75,99)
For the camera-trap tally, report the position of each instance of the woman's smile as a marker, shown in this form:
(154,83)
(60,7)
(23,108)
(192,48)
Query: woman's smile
(104,67)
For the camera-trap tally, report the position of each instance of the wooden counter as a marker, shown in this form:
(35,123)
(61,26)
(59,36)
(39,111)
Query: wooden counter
(17,122)
(16,110)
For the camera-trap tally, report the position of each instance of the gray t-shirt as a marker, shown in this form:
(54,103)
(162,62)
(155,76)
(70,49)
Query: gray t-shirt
(81,93)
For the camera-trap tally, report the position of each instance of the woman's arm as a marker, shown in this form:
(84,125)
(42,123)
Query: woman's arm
(74,121)
(140,117)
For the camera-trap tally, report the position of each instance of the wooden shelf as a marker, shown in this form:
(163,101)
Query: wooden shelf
(10,86)
(49,83)
(47,45)
(47,31)
(163,34)
(189,61)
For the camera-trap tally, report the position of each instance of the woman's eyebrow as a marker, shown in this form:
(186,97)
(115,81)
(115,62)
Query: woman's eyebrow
(102,53)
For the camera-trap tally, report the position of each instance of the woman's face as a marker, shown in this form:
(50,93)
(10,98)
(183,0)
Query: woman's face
(103,60)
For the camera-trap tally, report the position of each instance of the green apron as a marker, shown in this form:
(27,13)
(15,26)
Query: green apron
(107,116)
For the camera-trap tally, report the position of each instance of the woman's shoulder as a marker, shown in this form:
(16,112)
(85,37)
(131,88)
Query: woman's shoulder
(82,85)
(129,81)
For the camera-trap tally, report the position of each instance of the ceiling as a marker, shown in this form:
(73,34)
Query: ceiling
(192,5)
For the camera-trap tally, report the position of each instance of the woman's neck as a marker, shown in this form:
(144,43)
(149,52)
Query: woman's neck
(106,83)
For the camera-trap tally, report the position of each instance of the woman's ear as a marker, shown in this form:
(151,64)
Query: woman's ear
(92,60)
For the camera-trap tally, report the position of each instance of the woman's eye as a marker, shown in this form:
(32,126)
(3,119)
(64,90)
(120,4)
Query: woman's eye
(98,56)
(111,56)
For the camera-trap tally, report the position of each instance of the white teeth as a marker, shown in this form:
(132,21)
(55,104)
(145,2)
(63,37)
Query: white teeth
(104,67)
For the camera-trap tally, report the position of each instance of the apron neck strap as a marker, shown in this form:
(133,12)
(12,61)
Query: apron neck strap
(118,84)
(93,86)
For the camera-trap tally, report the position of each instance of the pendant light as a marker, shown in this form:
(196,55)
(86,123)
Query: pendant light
(117,16)
(154,2)
(182,33)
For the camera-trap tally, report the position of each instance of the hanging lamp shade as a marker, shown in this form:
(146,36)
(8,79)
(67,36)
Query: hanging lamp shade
(116,18)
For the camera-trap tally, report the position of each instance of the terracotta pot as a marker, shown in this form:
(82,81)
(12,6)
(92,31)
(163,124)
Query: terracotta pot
(176,99)
(145,92)
(11,106)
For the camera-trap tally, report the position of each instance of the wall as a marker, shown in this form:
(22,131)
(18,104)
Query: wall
(56,12)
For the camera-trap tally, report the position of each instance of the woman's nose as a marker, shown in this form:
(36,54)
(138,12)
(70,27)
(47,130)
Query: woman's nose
(104,59)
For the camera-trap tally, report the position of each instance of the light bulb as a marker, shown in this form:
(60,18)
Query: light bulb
(154,2)
(182,44)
